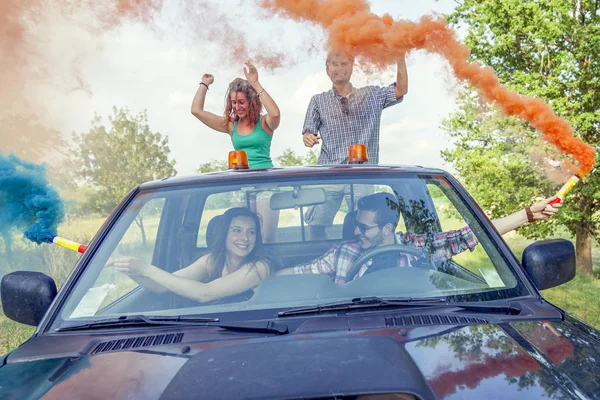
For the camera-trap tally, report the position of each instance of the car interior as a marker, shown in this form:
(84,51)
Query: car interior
(177,245)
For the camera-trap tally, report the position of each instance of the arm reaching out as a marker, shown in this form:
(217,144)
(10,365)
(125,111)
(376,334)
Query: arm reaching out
(185,283)
(539,211)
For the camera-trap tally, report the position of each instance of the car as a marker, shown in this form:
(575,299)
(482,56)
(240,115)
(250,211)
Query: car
(472,326)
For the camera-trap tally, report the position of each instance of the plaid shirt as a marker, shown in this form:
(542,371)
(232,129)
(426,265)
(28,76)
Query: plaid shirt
(336,262)
(361,124)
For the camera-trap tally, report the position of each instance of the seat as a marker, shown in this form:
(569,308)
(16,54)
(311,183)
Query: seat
(349,226)
(212,229)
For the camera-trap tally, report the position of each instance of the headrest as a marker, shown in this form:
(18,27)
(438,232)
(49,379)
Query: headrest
(349,226)
(211,230)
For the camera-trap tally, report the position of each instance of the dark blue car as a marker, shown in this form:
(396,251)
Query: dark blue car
(473,326)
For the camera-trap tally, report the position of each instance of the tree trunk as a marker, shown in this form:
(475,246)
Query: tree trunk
(583,246)
(140,222)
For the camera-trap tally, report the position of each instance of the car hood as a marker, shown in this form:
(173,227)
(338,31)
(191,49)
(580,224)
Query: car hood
(531,359)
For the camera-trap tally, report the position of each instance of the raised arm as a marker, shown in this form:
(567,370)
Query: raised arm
(401,78)
(209,119)
(273,115)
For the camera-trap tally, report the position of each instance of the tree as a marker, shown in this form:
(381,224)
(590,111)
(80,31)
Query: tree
(115,160)
(289,158)
(27,138)
(550,50)
(212,166)
(492,155)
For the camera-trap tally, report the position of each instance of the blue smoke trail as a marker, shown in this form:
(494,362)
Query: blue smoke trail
(27,202)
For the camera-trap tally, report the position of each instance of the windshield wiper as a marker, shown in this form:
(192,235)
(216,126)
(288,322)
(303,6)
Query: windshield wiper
(142,320)
(375,302)
(487,309)
(365,302)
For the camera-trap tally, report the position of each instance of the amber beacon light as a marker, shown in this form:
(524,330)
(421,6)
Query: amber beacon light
(357,154)
(238,159)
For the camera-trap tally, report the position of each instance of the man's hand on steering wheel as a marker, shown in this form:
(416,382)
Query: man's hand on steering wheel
(355,267)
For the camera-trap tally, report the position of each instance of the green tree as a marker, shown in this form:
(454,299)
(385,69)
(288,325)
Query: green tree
(114,160)
(548,49)
(27,138)
(212,166)
(289,158)
(492,155)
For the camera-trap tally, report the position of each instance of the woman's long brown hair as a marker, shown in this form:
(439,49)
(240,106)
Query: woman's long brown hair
(255,105)
(216,260)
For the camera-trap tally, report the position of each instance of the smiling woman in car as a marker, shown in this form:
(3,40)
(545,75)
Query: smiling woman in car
(235,265)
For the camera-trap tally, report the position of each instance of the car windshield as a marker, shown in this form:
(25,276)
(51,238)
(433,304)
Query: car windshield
(313,247)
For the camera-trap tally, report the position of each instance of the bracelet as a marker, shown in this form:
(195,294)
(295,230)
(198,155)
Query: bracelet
(202,83)
(529,214)
(261,92)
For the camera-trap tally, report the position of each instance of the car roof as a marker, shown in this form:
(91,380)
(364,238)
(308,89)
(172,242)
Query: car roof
(222,176)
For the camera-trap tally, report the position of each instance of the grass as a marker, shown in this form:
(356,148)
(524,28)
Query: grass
(12,334)
(578,297)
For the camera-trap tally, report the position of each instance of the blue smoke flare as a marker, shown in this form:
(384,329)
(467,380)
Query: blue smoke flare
(27,202)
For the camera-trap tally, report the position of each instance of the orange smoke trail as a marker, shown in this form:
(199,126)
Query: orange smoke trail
(382,40)
(26,28)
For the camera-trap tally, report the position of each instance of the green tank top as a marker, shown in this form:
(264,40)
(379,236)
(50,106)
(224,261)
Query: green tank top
(256,144)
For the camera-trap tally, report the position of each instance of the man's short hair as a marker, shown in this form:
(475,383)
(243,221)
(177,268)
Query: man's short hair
(341,53)
(384,205)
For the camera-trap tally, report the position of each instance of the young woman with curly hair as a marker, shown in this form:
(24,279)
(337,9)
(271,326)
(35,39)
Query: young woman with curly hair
(249,130)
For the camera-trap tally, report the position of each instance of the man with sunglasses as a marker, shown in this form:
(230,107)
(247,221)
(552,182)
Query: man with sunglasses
(343,116)
(375,225)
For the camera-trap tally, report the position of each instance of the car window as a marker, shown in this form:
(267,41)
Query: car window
(477,261)
(172,228)
(139,241)
(294,225)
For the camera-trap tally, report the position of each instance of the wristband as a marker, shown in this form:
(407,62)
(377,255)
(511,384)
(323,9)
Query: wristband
(529,214)
(202,83)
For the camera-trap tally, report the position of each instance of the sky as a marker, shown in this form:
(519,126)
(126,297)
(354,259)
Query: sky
(137,67)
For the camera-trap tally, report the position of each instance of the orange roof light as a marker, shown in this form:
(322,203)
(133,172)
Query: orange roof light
(357,154)
(238,159)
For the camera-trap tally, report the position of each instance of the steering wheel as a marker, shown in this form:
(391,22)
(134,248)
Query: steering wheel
(355,267)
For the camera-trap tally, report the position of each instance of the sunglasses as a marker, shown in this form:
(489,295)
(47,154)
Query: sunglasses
(364,228)
(344,102)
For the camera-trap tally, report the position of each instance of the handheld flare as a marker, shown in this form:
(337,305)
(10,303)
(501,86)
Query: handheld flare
(560,196)
(69,244)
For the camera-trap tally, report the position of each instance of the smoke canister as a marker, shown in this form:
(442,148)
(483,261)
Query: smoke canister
(560,196)
(69,244)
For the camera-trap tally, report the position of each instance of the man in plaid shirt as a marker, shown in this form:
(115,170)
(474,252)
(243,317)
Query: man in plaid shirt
(344,116)
(376,222)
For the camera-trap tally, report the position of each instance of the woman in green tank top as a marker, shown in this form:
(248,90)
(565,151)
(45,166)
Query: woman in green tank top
(249,130)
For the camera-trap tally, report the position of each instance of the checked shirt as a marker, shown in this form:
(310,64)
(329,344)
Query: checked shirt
(336,262)
(360,125)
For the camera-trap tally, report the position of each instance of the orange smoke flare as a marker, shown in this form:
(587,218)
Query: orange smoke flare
(382,40)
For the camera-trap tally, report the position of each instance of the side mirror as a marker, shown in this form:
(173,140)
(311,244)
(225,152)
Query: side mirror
(26,296)
(550,263)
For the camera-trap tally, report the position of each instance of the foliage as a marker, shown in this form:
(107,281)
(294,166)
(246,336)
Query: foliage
(212,166)
(28,138)
(492,155)
(115,160)
(289,158)
(546,49)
